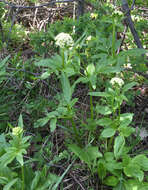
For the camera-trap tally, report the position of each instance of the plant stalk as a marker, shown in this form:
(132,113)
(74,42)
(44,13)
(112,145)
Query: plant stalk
(23,178)
(75,131)
(113,40)
(91,104)
(110,144)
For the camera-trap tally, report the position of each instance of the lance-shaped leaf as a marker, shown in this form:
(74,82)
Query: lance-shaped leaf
(118,146)
(67,92)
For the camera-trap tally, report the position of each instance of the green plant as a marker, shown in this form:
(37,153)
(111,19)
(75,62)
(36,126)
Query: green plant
(113,162)
(19,175)
(15,36)
(14,150)
(77,100)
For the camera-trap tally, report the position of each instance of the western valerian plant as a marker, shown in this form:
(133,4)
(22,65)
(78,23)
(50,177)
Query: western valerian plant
(107,126)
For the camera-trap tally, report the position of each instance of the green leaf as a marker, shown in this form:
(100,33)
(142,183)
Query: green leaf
(126,131)
(3,69)
(113,165)
(44,63)
(133,170)
(93,152)
(53,63)
(10,184)
(104,110)
(93,80)
(6,174)
(135,52)
(105,122)
(7,158)
(129,86)
(87,155)
(112,69)
(3,180)
(41,122)
(25,139)
(81,79)
(20,121)
(101,170)
(133,184)
(53,124)
(80,153)
(4,61)
(45,75)
(111,181)
(125,160)
(90,70)
(3,143)
(126,119)
(108,132)
(60,111)
(19,158)
(35,180)
(142,161)
(109,156)
(67,91)
(118,146)
(55,113)
(73,102)
(100,94)
(120,186)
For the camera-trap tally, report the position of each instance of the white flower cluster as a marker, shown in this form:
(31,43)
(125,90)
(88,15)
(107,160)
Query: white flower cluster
(117,81)
(127,66)
(64,40)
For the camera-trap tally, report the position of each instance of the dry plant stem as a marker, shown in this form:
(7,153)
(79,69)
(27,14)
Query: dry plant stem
(18,8)
(34,7)
(129,22)
(1,31)
(12,24)
(80,8)
(133,4)
(123,38)
(77,181)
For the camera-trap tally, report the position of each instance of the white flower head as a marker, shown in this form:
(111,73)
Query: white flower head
(117,81)
(64,40)
(127,66)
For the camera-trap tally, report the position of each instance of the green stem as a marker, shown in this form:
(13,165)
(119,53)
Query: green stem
(23,178)
(119,110)
(110,144)
(75,131)
(63,60)
(91,104)
(113,110)
(113,40)
(74,126)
